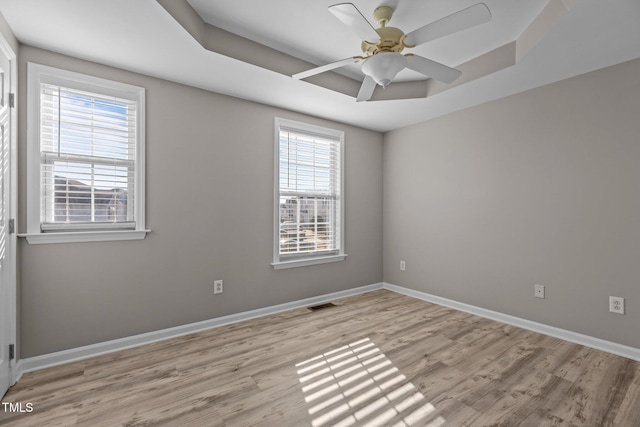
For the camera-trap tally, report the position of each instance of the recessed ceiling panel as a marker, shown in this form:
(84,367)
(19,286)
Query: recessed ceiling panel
(307,30)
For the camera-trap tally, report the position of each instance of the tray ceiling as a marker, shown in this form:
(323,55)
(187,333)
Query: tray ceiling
(154,38)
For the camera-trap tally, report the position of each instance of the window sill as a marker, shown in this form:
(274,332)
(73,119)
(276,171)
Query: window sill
(84,236)
(307,261)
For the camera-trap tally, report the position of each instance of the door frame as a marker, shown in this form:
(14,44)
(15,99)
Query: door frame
(11,203)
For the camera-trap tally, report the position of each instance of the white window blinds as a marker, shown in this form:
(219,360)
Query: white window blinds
(87,165)
(309,193)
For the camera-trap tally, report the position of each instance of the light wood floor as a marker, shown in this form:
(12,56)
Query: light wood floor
(374,359)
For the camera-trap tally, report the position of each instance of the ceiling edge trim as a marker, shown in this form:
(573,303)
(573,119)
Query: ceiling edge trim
(550,15)
(511,53)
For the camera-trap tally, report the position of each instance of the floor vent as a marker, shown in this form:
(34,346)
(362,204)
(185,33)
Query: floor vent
(321,306)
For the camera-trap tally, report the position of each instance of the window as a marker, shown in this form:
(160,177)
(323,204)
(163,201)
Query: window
(308,195)
(85,159)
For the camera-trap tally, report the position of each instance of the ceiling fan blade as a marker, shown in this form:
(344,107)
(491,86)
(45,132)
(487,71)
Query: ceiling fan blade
(366,90)
(323,68)
(466,18)
(432,69)
(350,16)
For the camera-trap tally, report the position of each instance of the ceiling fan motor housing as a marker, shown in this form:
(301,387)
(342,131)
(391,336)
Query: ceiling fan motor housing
(391,40)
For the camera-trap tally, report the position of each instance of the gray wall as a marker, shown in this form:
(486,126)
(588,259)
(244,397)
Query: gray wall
(540,187)
(210,205)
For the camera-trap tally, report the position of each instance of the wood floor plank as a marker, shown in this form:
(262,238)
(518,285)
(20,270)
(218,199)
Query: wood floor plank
(543,418)
(378,358)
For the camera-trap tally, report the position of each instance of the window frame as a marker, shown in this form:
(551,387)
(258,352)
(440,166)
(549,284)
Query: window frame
(92,232)
(290,261)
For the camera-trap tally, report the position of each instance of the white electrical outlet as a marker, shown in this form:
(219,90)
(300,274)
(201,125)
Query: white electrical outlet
(403,266)
(538,291)
(217,286)
(616,305)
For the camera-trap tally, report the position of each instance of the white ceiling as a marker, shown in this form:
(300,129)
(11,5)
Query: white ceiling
(141,36)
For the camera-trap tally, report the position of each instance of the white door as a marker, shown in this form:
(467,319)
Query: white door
(7,287)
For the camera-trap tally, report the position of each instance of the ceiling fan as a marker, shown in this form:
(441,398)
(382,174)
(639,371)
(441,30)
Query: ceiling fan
(382,47)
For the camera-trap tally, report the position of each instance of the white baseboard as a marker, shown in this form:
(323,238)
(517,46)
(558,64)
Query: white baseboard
(61,357)
(574,337)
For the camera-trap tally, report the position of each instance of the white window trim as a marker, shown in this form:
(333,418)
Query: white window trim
(36,74)
(320,258)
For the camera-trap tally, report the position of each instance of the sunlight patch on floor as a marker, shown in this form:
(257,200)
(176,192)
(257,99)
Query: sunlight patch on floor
(357,384)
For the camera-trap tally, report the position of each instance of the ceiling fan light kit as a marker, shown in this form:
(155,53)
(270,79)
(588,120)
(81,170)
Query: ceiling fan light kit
(382,59)
(384,66)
